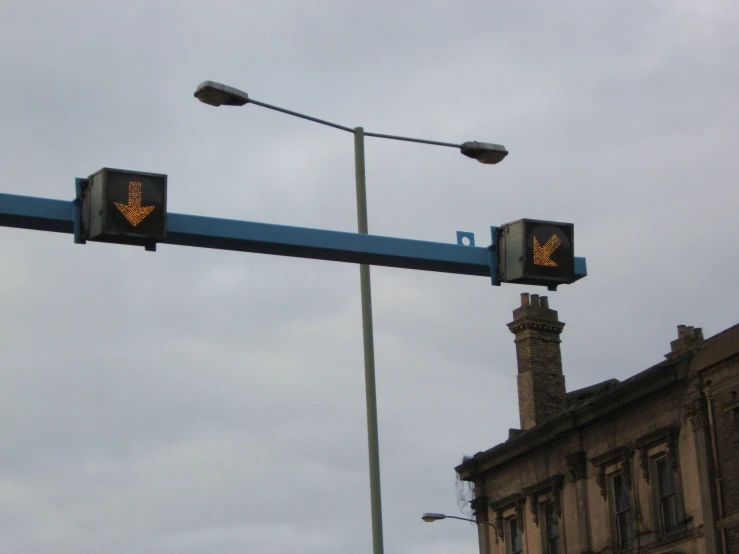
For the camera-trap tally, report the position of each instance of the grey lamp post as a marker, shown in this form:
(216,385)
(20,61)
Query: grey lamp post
(217,94)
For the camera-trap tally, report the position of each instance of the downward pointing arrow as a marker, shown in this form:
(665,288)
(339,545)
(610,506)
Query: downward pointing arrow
(134,212)
(543,254)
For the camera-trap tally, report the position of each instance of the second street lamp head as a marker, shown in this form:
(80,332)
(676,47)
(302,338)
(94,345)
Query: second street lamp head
(428,517)
(484,152)
(217,94)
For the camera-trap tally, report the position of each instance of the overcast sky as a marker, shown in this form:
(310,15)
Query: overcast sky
(190,401)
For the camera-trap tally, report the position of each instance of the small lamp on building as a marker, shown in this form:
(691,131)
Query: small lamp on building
(430,517)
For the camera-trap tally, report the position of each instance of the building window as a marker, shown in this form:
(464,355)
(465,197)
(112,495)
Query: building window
(623,513)
(552,529)
(514,533)
(667,496)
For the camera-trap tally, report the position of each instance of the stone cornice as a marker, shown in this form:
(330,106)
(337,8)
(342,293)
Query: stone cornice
(612,456)
(507,502)
(640,386)
(621,456)
(659,436)
(555,481)
(554,485)
(517,326)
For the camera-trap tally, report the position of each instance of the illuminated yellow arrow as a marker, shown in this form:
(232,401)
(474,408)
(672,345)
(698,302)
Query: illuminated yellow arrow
(543,254)
(134,212)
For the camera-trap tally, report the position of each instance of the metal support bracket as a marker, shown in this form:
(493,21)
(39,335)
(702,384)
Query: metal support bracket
(493,257)
(80,187)
(461,235)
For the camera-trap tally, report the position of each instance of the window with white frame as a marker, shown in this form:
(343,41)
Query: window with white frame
(667,496)
(514,536)
(659,468)
(623,513)
(551,528)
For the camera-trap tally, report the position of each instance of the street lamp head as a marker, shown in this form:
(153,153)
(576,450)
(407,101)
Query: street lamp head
(484,152)
(217,94)
(428,517)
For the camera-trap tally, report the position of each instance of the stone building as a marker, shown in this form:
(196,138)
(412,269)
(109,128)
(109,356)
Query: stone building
(650,464)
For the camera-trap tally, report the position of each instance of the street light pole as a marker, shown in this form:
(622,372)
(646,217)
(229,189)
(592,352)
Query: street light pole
(217,94)
(370,388)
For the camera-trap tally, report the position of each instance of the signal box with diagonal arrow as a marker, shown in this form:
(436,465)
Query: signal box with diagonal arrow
(125,206)
(535,252)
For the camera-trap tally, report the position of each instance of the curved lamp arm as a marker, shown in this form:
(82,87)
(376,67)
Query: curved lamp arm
(218,94)
(429,517)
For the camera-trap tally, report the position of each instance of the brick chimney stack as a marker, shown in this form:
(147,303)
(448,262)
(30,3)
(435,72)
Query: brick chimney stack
(686,337)
(541,383)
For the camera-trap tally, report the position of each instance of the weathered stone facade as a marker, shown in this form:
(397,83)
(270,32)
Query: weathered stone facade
(650,464)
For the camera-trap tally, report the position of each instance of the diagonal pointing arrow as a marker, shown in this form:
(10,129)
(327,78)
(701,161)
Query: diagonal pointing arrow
(543,254)
(134,212)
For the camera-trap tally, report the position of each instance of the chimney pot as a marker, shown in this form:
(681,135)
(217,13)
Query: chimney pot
(687,336)
(544,302)
(524,299)
(535,300)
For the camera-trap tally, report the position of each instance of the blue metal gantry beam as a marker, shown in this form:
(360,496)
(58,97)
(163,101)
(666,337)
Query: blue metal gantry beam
(60,216)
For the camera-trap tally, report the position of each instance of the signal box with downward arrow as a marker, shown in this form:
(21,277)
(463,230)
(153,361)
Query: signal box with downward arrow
(124,206)
(535,252)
